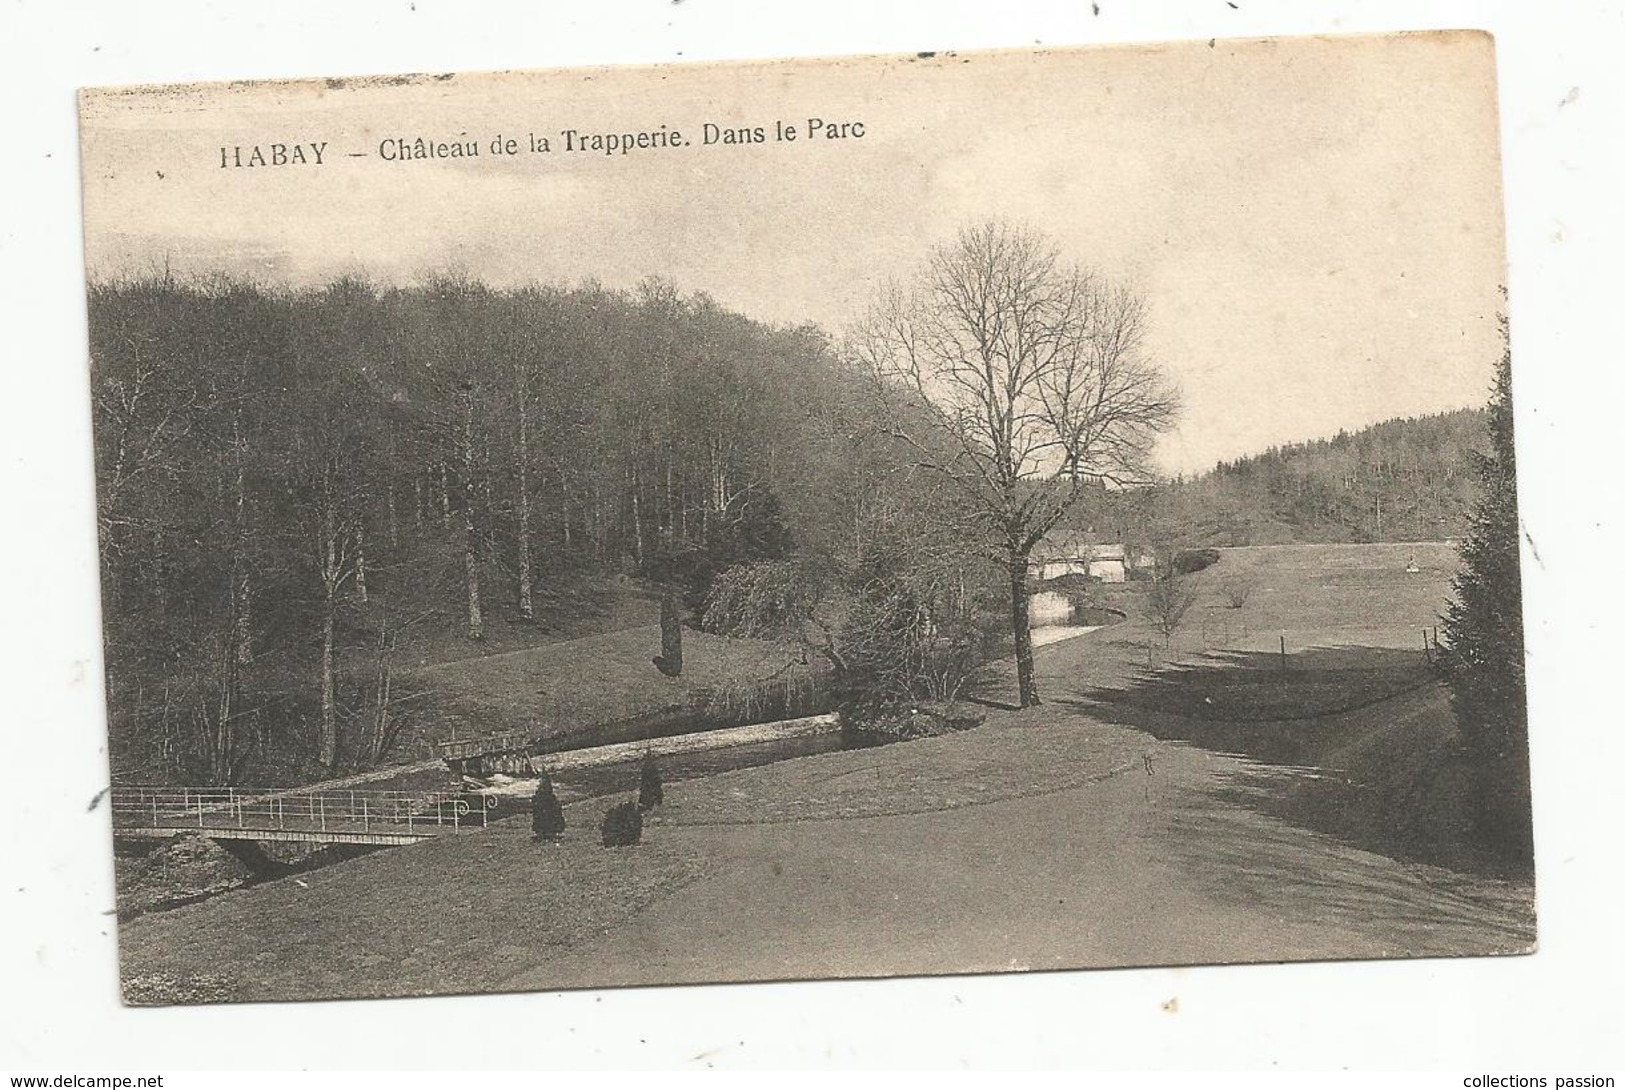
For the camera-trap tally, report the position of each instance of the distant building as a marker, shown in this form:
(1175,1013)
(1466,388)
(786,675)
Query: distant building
(1071,552)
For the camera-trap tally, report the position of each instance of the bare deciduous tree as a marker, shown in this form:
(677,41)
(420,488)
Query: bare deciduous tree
(1170,597)
(1236,592)
(1032,378)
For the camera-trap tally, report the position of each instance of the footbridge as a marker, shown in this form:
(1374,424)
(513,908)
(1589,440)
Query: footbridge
(312,815)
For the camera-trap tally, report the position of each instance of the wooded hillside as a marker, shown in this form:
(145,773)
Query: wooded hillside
(296,488)
(1399,480)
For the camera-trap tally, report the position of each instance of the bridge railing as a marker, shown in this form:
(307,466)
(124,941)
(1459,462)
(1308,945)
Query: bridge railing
(507,741)
(295,810)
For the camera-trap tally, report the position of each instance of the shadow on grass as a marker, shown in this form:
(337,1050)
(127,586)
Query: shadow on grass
(1432,912)
(1356,742)
(988,702)
(1281,711)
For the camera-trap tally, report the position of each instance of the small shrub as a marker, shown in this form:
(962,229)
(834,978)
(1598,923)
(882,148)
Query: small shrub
(1187,561)
(623,825)
(546,815)
(1237,593)
(651,792)
(906,722)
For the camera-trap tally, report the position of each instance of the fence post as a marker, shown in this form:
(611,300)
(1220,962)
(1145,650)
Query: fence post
(321,803)
(1283,652)
(155,810)
(364,825)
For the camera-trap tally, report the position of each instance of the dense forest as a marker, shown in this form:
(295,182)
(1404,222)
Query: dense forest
(296,486)
(1401,480)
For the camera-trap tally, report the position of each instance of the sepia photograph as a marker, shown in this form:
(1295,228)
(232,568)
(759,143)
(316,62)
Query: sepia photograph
(898,515)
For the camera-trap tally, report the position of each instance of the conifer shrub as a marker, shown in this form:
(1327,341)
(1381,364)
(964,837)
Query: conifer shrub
(651,792)
(623,825)
(546,815)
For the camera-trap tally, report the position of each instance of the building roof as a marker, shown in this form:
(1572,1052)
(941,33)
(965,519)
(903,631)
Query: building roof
(1075,545)
(1063,545)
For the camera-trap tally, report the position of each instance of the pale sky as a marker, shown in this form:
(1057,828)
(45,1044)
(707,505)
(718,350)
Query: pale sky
(1316,223)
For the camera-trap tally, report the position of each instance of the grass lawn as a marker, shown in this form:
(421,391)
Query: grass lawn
(568,688)
(924,776)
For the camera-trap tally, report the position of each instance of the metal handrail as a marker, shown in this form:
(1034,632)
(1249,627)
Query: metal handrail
(285,808)
(480,745)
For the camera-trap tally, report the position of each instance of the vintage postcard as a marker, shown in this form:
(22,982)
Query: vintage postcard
(823,518)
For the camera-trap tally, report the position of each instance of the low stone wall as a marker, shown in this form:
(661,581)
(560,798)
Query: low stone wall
(593,756)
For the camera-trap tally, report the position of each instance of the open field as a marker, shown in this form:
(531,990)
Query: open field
(1038,840)
(1322,596)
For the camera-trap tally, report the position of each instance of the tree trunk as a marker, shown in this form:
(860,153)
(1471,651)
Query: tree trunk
(329,754)
(243,606)
(637,519)
(682,513)
(329,750)
(221,742)
(361,560)
(526,608)
(600,527)
(445,495)
(241,589)
(668,522)
(471,561)
(488,506)
(1023,634)
(670,662)
(382,683)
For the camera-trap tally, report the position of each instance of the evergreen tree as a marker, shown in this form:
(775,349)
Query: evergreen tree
(651,792)
(546,815)
(1484,624)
